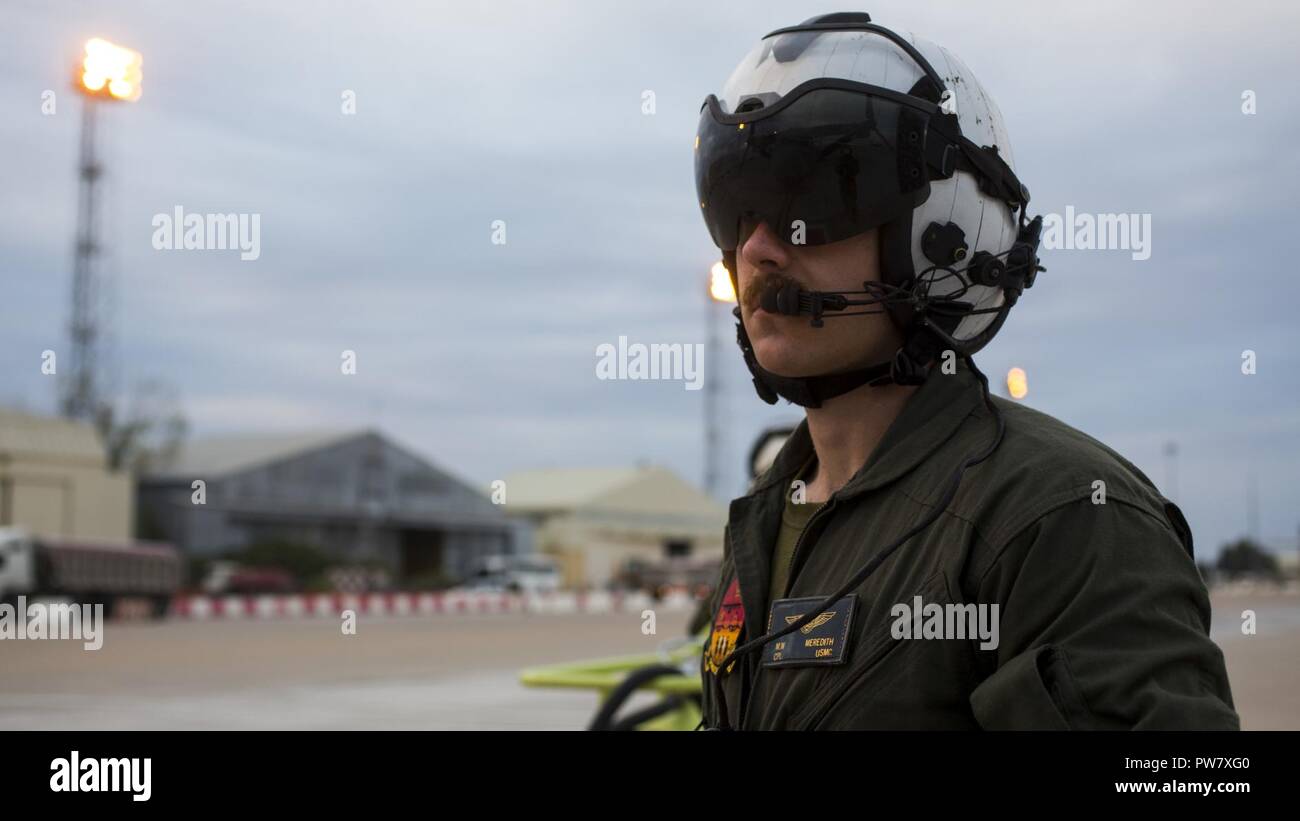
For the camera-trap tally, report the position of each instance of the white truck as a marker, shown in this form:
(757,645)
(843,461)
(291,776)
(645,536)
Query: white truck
(88,572)
(530,573)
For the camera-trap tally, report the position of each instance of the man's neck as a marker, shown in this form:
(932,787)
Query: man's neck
(845,430)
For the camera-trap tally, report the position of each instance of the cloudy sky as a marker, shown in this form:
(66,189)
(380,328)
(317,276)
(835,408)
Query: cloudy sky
(376,228)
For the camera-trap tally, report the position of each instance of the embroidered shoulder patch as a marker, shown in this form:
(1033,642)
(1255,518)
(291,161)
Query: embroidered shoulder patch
(727,623)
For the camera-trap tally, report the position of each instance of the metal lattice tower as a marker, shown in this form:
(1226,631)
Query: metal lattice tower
(712,434)
(80,397)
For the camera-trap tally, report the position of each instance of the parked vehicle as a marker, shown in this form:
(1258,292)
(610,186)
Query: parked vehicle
(516,574)
(664,577)
(231,577)
(88,572)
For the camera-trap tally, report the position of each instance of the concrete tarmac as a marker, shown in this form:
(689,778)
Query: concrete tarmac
(440,672)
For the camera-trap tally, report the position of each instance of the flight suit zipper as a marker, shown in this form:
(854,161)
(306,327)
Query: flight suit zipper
(794,554)
(789,580)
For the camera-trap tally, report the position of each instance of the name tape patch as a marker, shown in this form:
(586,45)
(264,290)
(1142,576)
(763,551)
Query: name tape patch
(824,640)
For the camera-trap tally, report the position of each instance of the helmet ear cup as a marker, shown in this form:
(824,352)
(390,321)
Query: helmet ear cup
(944,244)
(986,269)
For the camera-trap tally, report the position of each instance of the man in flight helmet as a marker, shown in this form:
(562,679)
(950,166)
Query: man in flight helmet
(921,554)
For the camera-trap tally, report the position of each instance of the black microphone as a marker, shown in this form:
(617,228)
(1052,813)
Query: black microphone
(783,299)
(791,300)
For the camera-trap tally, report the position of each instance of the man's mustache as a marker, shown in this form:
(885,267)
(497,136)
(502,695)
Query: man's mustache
(761,283)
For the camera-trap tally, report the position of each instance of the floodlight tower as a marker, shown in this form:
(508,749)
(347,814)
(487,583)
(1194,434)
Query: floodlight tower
(720,292)
(107,73)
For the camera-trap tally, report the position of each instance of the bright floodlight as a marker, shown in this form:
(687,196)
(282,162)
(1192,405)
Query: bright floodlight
(1017,383)
(110,71)
(720,287)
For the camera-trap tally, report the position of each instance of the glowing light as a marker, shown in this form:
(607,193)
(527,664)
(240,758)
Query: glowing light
(1017,383)
(720,287)
(111,71)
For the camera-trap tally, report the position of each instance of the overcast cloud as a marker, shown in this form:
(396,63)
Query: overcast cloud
(376,228)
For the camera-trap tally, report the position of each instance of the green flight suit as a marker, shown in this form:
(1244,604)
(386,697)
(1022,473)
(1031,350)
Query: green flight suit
(793,520)
(1103,619)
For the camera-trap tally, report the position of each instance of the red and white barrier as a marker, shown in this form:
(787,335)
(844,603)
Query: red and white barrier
(317,605)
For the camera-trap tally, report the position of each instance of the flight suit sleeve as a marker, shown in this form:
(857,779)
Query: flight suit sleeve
(1103,624)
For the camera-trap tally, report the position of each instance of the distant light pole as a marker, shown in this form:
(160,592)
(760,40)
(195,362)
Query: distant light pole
(721,292)
(1252,506)
(107,73)
(1171,470)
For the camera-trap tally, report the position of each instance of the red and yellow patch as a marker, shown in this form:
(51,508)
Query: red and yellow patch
(727,623)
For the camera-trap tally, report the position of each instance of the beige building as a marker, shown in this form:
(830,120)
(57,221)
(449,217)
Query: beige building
(597,523)
(54,481)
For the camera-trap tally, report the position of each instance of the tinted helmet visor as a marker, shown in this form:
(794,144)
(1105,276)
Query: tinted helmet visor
(834,158)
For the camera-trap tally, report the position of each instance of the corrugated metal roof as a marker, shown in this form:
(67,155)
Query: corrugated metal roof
(213,456)
(23,433)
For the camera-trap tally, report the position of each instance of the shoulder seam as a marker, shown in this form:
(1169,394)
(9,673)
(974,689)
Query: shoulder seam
(1057,502)
(975,528)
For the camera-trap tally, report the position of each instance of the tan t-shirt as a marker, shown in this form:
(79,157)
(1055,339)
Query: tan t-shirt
(793,520)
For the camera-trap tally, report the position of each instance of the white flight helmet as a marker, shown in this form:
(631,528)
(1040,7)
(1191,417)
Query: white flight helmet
(843,126)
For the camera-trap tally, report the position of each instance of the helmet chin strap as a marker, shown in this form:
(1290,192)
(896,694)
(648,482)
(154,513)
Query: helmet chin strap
(909,365)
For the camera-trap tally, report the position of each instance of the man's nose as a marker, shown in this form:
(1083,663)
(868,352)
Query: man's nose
(764,250)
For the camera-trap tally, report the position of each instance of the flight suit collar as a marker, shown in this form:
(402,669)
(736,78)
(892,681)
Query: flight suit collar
(932,415)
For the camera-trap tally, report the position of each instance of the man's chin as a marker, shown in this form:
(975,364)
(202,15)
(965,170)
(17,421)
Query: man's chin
(784,357)
(776,358)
